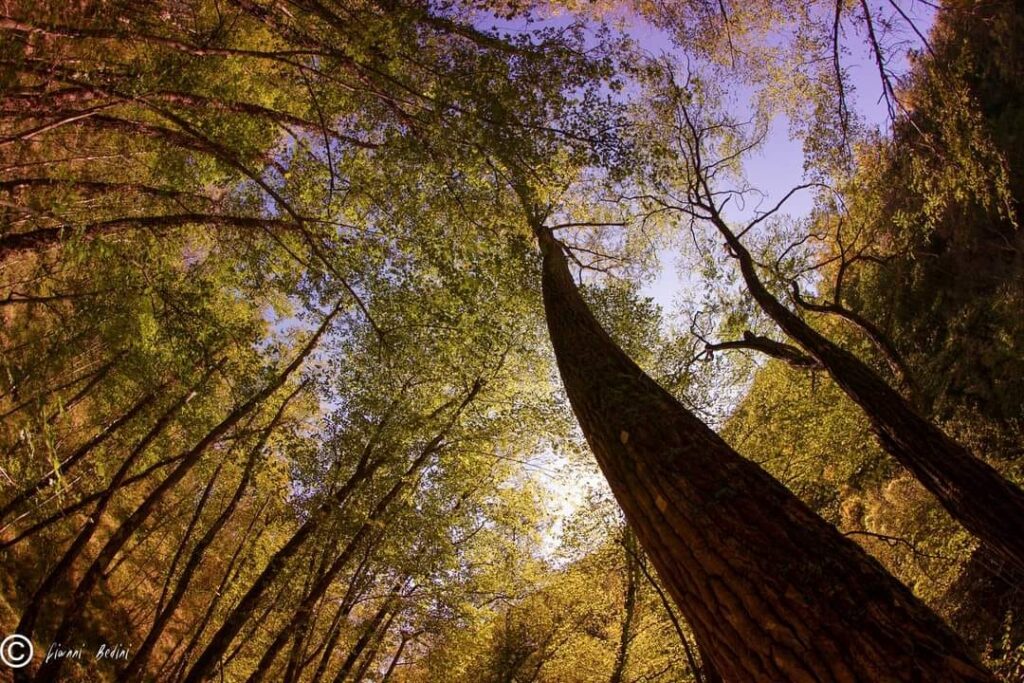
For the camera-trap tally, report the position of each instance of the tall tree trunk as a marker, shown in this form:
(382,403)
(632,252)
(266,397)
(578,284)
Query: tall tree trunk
(629,607)
(771,590)
(80,504)
(333,635)
(96,441)
(691,661)
(244,610)
(371,655)
(369,631)
(177,664)
(396,659)
(27,622)
(208,660)
(359,582)
(974,493)
(136,666)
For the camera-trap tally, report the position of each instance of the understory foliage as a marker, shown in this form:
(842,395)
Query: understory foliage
(276,396)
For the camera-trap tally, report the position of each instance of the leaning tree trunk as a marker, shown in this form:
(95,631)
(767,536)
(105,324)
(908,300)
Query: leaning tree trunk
(987,504)
(629,608)
(772,591)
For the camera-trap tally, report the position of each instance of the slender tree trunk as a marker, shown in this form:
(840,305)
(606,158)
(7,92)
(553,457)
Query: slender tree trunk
(45,238)
(165,612)
(301,616)
(629,607)
(78,454)
(197,634)
(94,377)
(26,625)
(974,493)
(83,503)
(370,630)
(333,635)
(300,638)
(206,662)
(396,659)
(771,590)
(179,552)
(371,655)
(356,586)
(247,605)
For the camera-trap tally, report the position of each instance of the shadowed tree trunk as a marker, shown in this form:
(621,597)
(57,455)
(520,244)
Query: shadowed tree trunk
(67,463)
(378,640)
(691,660)
(177,664)
(629,607)
(974,493)
(396,658)
(772,592)
(369,632)
(136,666)
(26,625)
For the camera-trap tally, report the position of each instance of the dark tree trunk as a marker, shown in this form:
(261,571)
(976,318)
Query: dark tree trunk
(369,631)
(136,666)
(79,453)
(178,664)
(396,659)
(371,654)
(691,660)
(359,582)
(772,592)
(629,607)
(56,575)
(333,635)
(242,612)
(974,493)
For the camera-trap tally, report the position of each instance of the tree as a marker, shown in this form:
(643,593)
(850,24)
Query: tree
(702,513)
(972,491)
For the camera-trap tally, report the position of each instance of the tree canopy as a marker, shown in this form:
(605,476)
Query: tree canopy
(332,349)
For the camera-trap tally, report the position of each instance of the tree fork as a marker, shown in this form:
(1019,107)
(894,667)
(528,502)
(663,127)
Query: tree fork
(770,589)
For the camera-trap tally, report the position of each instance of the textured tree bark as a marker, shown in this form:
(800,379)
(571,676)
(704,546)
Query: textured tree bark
(772,592)
(974,493)
(691,661)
